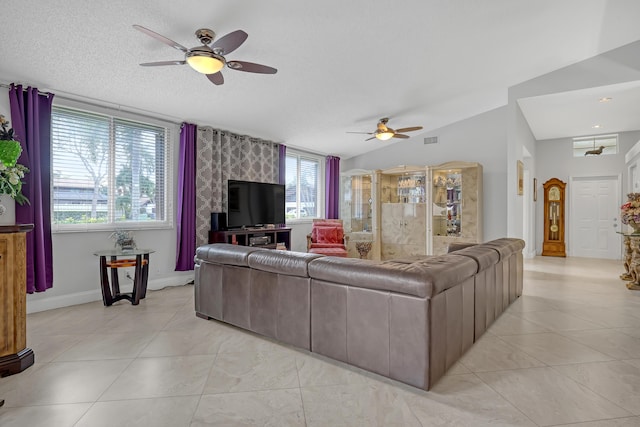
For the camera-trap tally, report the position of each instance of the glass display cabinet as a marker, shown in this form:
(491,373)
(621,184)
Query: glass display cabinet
(358,212)
(402,211)
(455,211)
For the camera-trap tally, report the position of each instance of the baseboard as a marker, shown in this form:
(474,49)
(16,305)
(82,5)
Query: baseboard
(178,279)
(60,301)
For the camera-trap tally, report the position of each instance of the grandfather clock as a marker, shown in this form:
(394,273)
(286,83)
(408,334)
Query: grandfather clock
(553,244)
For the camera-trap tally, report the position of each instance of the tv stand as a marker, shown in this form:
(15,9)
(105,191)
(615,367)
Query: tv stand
(252,237)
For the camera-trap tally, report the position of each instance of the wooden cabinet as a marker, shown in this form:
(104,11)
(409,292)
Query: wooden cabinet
(259,237)
(14,354)
(421,210)
(402,212)
(455,208)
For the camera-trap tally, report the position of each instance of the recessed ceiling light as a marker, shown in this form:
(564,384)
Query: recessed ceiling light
(607,99)
(596,126)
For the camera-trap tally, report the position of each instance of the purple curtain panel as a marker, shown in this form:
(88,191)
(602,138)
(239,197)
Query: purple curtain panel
(332,187)
(186,220)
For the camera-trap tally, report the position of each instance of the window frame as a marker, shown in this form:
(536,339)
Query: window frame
(171,130)
(595,144)
(320,193)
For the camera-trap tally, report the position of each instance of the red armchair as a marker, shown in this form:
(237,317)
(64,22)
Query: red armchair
(327,238)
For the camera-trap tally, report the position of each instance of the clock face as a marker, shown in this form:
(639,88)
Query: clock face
(554,193)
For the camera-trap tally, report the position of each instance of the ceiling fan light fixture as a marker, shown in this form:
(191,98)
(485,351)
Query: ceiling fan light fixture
(385,135)
(204,61)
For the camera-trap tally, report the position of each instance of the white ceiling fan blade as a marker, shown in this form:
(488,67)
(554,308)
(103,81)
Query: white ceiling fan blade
(161,38)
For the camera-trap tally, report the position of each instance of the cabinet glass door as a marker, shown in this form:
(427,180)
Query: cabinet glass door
(447,203)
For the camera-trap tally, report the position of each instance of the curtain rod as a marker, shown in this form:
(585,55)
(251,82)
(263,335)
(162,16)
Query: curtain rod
(104,104)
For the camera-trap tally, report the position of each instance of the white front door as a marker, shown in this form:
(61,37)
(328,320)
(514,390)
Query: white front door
(595,217)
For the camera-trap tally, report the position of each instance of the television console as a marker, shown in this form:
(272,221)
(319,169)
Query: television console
(258,237)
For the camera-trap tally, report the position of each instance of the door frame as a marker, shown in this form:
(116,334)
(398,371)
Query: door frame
(569,195)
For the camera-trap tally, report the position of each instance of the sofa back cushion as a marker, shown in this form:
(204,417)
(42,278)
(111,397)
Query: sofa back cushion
(327,231)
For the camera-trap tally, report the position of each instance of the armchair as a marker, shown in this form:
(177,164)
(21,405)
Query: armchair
(327,238)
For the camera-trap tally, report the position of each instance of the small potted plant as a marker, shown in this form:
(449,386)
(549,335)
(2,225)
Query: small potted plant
(124,240)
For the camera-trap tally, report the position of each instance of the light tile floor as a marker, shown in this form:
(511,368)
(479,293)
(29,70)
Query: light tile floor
(567,352)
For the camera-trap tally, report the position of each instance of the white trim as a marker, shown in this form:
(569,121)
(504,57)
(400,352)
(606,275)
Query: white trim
(61,301)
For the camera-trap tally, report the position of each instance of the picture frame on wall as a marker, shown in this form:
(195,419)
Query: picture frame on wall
(535,189)
(520,178)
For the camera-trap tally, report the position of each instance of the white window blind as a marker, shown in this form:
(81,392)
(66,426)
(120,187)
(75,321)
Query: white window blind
(107,171)
(304,174)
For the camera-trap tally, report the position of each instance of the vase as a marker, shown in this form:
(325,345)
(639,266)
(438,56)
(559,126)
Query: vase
(7,210)
(635,226)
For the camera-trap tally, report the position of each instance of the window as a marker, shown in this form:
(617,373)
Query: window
(304,178)
(107,172)
(609,144)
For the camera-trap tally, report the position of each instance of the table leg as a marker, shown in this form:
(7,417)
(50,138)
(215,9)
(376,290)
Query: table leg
(137,282)
(145,276)
(115,282)
(107,299)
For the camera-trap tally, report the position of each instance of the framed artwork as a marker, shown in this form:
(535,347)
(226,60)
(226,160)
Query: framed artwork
(520,178)
(535,189)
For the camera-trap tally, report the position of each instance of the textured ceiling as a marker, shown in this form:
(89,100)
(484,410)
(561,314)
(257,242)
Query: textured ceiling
(342,65)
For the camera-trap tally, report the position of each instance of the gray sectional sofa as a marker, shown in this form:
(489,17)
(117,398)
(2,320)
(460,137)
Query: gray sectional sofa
(407,319)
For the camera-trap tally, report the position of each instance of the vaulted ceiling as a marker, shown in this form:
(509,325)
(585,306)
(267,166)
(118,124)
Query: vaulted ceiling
(342,65)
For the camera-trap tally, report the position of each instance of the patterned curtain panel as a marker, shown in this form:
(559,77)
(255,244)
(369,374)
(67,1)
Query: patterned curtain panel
(222,156)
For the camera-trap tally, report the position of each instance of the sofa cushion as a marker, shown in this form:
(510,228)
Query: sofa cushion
(506,246)
(445,271)
(331,251)
(223,253)
(423,278)
(456,246)
(326,234)
(403,278)
(282,262)
(326,245)
(483,255)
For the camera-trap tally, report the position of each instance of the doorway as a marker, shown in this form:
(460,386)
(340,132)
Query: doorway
(594,217)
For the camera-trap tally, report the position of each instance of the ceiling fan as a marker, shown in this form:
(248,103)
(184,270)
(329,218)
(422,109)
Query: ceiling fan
(384,133)
(209,60)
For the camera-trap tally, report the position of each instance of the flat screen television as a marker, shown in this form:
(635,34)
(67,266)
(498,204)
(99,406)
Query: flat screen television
(253,204)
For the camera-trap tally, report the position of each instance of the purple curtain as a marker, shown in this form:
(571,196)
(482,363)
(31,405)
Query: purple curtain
(186,221)
(332,187)
(282,166)
(31,119)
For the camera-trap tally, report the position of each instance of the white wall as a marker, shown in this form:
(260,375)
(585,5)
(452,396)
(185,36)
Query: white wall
(616,66)
(299,231)
(555,160)
(481,139)
(76,276)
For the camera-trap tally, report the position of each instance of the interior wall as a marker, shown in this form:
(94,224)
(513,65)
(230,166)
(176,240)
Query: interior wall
(76,277)
(616,66)
(555,160)
(521,148)
(482,139)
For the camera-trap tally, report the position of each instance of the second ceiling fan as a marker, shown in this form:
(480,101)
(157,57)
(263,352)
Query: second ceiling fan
(384,132)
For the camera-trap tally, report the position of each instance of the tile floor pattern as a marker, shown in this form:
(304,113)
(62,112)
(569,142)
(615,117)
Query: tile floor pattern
(566,353)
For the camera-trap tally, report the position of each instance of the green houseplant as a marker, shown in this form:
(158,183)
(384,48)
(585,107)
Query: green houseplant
(11,173)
